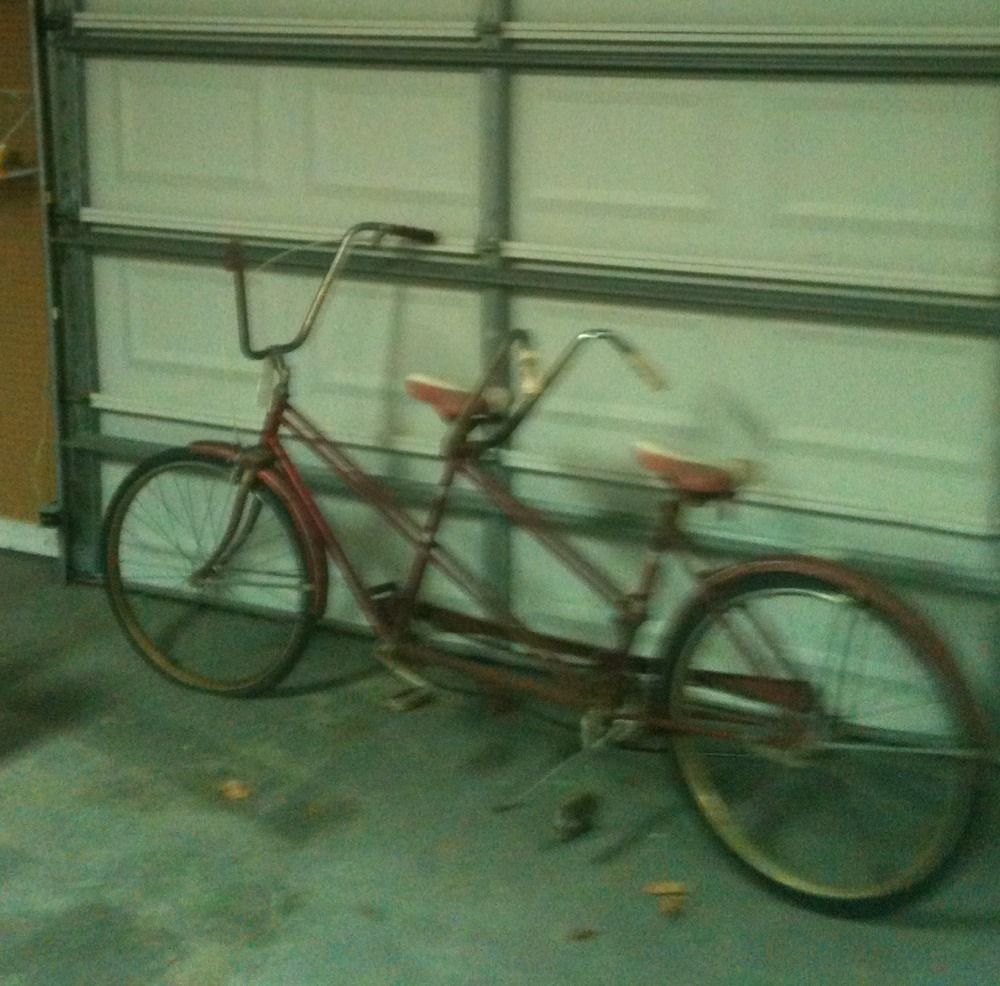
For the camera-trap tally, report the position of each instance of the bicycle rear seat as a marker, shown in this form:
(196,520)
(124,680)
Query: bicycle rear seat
(448,400)
(696,479)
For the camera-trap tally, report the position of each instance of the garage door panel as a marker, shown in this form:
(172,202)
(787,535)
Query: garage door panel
(361,143)
(896,179)
(168,345)
(619,164)
(315,148)
(872,422)
(900,155)
(170,125)
(763,13)
(371,338)
(167,336)
(167,323)
(327,10)
(869,183)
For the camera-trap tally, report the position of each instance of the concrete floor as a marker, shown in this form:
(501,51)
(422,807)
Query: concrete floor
(356,845)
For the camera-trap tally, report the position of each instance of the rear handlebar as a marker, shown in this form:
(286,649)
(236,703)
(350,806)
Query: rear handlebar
(533,384)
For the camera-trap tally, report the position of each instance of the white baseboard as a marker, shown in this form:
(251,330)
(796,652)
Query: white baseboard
(20,535)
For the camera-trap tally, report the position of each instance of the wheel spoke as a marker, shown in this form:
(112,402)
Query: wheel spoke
(848,772)
(237,629)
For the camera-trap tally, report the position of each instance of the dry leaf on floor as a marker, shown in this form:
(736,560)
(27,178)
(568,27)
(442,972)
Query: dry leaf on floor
(665,887)
(234,790)
(672,904)
(671,896)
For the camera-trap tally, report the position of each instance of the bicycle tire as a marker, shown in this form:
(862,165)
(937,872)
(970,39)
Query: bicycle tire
(237,631)
(847,781)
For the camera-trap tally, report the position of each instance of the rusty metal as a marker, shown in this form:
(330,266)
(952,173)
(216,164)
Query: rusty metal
(453,621)
(556,674)
(533,521)
(563,671)
(752,697)
(785,693)
(566,687)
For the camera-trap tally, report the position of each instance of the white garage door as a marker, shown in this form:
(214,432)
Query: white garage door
(785,204)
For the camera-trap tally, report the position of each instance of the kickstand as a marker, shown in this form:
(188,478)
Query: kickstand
(595,732)
(418,690)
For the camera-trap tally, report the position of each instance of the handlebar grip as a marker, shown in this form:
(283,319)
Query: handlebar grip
(415,233)
(645,369)
(529,379)
(232,258)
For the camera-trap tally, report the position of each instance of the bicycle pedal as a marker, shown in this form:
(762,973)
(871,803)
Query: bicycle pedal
(597,729)
(623,730)
(409,699)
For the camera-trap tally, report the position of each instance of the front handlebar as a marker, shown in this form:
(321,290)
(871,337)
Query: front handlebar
(234,262)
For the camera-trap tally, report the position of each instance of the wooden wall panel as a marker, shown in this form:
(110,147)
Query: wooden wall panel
(27,461)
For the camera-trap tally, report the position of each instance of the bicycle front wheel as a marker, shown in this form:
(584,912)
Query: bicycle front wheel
(236,628)
(833,746)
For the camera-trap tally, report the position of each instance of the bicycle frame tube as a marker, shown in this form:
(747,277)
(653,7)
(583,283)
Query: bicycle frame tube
(573,683)
(392,622)
(391,614)
(571,663)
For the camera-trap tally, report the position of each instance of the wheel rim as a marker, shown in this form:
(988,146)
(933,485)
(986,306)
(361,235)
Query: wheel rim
(225,629)
(858,797)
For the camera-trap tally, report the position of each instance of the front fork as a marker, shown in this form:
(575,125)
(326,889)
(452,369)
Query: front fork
(243,517)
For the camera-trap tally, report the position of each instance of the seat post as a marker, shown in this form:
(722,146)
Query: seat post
(669,534)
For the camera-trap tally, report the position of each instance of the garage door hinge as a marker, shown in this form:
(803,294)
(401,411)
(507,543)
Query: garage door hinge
(488,28)
(55,22)
(50,515)
(488,249)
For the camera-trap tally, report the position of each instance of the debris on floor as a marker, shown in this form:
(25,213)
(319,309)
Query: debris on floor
(582,934)
(671,896)
(575,816)
(235,790)
(408,699)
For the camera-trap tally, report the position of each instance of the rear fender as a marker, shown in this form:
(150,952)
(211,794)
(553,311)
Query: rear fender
(908,621)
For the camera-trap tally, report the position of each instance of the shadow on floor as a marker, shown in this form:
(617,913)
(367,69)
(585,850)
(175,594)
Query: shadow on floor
(32,716)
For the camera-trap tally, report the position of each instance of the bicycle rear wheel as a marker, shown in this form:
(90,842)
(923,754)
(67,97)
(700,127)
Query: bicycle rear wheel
(237,629)
(848,752)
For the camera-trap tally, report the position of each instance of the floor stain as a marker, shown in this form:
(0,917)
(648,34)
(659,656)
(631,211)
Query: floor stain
(301,817)
(247,911)
(88,943)
(489,758)
(373,912)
